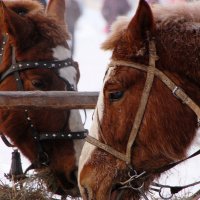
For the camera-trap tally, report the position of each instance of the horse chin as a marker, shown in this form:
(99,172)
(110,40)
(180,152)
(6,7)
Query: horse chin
(74,193)
(57,186)
(63,190)
(117,194)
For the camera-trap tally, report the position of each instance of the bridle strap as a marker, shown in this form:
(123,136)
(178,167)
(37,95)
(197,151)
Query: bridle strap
(4,39)
(106,148)
(143,101)
(176,90)
(151,72)
(5,140)
(15,69)
(140,113)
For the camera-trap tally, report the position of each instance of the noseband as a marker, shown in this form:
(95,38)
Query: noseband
(15,69)
(151,71)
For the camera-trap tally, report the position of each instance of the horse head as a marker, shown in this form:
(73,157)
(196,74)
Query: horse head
(35,55)
(143,120)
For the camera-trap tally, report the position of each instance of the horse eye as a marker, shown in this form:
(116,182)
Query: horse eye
(114,96)
(38,84)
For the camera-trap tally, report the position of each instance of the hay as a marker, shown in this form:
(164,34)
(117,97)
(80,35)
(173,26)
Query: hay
(30,188)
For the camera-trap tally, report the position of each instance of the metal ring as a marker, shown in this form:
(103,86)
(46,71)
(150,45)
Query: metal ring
(136,188)
(160,193)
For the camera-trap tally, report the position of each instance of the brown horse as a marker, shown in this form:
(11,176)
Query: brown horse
(35,56)
(138,129)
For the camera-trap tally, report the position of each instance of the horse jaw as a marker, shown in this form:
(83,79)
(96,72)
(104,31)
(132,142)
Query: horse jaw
(70,74)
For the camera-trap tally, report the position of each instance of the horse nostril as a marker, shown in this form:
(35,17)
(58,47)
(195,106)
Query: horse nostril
(68,184)
(86,195)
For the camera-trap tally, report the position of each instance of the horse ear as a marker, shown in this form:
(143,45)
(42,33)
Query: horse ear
(142,22)
(57,9)
(13,24)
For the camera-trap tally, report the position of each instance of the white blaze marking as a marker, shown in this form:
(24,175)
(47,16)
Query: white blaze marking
(88,148)
(61,52)
(70,74)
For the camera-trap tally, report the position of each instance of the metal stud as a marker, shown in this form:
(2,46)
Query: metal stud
(1,54)
(17,79)
(62,135)
(28,118)
(69,135)
(27,64)
(36,64)
(32,125)
(20,65)
(26,110)
(45,64)
(53,65)
(46,135)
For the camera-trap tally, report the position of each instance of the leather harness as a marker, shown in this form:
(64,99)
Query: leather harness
(15,69)
(151,71)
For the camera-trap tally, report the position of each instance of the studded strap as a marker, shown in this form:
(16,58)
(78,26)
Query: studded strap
(2,48)
(21,66)
(63,135)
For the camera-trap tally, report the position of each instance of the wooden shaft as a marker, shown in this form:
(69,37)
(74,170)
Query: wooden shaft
(51,99)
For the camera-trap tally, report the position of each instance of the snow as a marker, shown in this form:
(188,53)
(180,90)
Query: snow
(93,62)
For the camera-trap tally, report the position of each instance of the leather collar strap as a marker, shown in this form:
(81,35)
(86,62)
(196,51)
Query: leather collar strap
(151,72)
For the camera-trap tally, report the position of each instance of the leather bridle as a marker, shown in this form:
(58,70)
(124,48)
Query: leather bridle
(151,71)
(15,69)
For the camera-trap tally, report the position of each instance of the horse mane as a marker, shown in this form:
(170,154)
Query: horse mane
(163,15)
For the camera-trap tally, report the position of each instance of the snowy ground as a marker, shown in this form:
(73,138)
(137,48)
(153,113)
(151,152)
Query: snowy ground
(93,61)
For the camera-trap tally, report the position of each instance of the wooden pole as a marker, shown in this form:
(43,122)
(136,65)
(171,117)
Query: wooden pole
(51,99)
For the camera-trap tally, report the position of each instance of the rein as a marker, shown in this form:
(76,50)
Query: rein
(152,72)
(15,69)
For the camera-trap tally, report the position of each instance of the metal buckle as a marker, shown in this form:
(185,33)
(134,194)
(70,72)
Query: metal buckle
(176,88)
